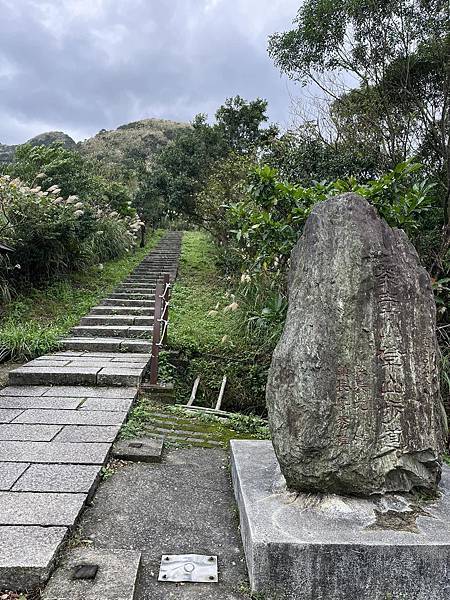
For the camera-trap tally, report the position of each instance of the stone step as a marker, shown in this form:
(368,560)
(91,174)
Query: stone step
(127,302)
(134,290)
(124,319)
(155,272)
(103,344)
(140,282)
(131,296)
(144,281)
(116,375)
(159,262)
(123,310)
(138,285)
(28,554)
(120,331)
(157,267)
(144,278)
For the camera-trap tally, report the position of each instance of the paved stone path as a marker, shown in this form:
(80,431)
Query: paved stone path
(60,415)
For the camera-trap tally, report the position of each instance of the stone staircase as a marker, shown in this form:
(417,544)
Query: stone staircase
(60,415)
(122,324)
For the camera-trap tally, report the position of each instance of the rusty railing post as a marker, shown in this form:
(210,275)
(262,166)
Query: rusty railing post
(165,308)
(156,333)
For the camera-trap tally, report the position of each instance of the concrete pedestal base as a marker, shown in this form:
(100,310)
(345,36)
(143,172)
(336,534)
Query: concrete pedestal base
(328,547)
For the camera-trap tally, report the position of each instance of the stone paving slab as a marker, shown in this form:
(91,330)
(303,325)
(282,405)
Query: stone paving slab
(139,279)
(54,452)
(27,554)
(24,390)
(131,296)
(124,319)
(62,364)
(39,402)
(104,362)
(131,345)
(46,361)
(57,478)
(32,433)
(122,310)
(91,392)
(126,302)
(71,417)
(8,414)
(107,404)
(141,321)
(131,359)
(119,331)
(88,433)
(138,356)
(108,344)
(9,474)
(134,288)
(94,344)
(115,580)
(140,282)
(46,509)
(62,358)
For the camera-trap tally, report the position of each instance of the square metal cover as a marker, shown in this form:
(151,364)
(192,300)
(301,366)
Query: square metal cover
(196,568)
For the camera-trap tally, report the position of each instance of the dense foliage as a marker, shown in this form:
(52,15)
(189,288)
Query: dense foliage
(396,55)
(52,229)
(181,170)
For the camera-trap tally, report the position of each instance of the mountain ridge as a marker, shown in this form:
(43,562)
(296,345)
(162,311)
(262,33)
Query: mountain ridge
(116,148)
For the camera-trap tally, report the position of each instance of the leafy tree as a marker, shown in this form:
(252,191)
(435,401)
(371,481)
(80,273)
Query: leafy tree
(241,123)
(397,55)
(227,184)
(181,170)
(304,156)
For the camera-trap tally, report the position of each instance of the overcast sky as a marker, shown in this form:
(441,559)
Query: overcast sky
(83,65)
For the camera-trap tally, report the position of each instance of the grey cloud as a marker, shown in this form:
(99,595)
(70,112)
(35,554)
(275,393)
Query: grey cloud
(81,65)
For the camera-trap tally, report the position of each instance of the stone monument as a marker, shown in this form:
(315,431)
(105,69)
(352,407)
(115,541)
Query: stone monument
(347,504)
(353,391)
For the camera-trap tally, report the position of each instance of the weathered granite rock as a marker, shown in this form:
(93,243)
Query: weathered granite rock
(353,390)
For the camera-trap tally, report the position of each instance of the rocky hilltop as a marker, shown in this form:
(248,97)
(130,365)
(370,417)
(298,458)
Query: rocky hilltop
(43,139)
(130,143)
(117,148)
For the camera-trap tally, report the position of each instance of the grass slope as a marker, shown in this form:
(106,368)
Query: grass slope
(32,323)
(206,329)
(199,318)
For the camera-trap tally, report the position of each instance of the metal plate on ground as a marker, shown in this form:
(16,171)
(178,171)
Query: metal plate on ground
(196,568)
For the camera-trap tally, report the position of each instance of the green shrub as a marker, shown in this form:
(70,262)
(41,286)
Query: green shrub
(53,235)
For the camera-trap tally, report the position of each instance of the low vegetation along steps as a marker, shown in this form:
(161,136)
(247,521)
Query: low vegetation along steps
(59,418)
